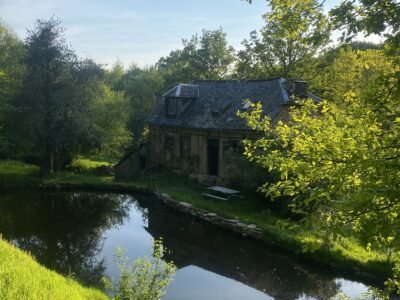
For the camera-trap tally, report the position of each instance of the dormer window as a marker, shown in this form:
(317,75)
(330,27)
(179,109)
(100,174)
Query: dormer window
(178,99)
(171,108)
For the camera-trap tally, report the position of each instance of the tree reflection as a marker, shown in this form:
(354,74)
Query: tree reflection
(63,230)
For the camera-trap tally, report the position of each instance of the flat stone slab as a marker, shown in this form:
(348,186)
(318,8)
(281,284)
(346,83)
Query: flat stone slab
(233,221)
(185,204)
(211,215)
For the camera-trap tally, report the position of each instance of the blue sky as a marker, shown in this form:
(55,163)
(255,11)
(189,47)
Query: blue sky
(137,31)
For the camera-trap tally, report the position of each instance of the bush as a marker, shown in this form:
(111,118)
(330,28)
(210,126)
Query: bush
(243,174)
(145,279)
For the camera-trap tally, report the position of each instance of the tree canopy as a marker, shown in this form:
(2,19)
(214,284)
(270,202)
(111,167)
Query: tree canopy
(295,31)
(50,122)
(11,72)
(338,160)
(203,57)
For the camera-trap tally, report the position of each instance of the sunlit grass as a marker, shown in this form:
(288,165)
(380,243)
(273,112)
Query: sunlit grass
(14,174)
(77,178)
(21,277)
(85,165)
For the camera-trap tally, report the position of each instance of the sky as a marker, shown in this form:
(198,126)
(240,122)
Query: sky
(137,31)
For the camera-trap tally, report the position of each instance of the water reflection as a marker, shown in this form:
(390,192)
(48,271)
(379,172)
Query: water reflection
(77,233)
(191,243)
(63,231)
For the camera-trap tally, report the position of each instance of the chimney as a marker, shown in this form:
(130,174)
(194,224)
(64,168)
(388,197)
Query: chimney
(300,89)
(158,97)
(297,88)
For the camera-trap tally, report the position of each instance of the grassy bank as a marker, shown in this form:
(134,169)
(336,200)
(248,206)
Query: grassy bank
(346,254)
(15,174)
(21,277)
(298,238)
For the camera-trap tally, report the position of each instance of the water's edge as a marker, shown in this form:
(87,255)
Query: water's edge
(357,272)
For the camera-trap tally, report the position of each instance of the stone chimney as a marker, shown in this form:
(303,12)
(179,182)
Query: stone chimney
(158,97)
(297,88)
(300,89)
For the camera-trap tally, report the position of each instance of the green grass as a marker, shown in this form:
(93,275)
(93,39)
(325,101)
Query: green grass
(77,178)
(15,174)
(85,165)
(21,277)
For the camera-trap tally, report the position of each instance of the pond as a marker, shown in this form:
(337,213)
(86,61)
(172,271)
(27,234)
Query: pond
(76,234)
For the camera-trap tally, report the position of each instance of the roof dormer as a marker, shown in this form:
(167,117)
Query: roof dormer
(178,99)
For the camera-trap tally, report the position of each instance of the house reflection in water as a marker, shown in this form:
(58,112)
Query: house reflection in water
(194,243)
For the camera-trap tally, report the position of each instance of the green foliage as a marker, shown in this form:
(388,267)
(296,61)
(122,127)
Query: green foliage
(352,70)
(295,31)
(350,177)
(49,118)
(241,173)
(370,17)
(206,57)
(114,76)
(11,72)
(21,277)
(108,116)
(145,279)
(141,87)
(64,108)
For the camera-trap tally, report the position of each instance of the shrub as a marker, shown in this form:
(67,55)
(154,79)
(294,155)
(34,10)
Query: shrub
(144,279)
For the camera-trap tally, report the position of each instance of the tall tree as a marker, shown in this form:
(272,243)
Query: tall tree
(50,111)
(11,74)
(295,31)
(351,70)
(379,17)
(203,57)
(107,122)
(114,76)
(141,87)
(340,161)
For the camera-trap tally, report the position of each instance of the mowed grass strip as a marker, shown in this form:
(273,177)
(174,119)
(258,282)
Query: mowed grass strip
(21,277)
(15,174)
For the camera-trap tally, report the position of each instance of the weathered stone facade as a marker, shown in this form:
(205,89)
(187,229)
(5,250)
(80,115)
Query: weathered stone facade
(194,125)
(194,151)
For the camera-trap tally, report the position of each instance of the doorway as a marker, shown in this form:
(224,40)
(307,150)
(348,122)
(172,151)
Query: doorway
(212,156)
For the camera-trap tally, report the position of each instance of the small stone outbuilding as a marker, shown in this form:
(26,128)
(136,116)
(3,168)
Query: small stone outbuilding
(132,164)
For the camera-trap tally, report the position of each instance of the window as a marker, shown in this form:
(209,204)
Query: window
(185,146)
(233,146)
(169,143)
(171,107)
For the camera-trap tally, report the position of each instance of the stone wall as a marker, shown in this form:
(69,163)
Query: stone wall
(165,147)
(250,230)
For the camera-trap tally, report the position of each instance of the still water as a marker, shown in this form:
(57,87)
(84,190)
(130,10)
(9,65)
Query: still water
(76,233)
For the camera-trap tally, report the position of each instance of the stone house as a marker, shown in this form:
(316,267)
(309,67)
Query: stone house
(194,126)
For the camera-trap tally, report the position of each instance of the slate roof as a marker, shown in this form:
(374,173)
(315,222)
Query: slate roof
(215,103)
(183,91)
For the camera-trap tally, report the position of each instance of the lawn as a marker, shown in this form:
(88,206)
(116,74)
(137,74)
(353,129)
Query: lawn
(21,277)
(15,174)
